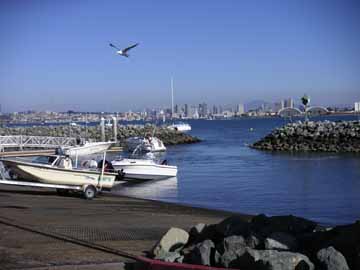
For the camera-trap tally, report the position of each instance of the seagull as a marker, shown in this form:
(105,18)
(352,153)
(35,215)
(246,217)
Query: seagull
(123,52)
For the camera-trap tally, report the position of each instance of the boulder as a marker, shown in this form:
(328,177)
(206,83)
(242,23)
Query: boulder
(202,253)
(331,259)
(173,240)
(231,243)
(275,260)
(288,224)
(234,225)
(345,239)
(280,241)
(233,258)
(196,231)
(253,241)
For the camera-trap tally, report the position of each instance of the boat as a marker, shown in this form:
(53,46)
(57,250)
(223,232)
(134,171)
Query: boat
(182,127)
(108,124)
(145,144)
(55,169)
(143,169)
(88,148)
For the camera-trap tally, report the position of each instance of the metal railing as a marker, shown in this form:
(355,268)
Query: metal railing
(23,141)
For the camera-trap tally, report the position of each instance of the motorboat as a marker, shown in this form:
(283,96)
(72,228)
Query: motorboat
(57,170)
(143,169)
(88,148)
(145,144)
(182,127)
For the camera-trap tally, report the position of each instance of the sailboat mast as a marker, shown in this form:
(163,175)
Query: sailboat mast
(172,97)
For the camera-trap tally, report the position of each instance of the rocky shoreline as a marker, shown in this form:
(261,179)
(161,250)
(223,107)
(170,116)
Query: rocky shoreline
(263,243)
(168,136)
(322,136)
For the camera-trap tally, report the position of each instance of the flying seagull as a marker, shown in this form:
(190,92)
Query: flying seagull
(123,52)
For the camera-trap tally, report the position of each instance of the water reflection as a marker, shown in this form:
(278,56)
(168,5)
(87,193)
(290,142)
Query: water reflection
(162,189)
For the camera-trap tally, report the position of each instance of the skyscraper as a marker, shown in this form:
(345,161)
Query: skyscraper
(357,107)
(186,110)
(240,108)
(215,110)
(289,103)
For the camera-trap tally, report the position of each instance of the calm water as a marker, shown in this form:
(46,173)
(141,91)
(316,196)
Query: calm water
(223,173)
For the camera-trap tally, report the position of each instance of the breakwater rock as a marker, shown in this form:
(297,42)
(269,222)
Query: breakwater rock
(308,136)
(278,242)
(168,136)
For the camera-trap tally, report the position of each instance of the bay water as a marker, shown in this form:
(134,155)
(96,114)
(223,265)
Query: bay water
(223,172)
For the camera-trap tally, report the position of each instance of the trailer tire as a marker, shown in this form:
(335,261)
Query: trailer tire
(90,192)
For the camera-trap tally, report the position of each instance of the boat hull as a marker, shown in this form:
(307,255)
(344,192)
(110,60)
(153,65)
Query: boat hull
(88,149)
(145,171)
(52,175)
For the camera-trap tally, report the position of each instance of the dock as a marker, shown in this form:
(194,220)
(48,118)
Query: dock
(39,152)
(36,225)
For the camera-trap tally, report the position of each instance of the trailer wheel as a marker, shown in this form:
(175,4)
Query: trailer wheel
(90,192)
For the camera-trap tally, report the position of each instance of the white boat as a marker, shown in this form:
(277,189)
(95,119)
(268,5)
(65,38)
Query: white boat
(108,123)
(143,169)
(182,127)
(88,148)
(46,169)
(145,144)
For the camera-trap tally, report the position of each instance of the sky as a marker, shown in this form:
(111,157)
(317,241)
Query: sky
(55,55)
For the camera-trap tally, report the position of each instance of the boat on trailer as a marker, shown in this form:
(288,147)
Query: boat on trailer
(47,170)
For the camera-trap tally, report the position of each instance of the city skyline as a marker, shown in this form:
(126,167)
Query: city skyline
(56,55)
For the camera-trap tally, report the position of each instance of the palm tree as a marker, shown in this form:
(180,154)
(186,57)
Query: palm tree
(305,101)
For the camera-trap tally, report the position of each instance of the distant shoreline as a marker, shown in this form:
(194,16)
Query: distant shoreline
(129,122)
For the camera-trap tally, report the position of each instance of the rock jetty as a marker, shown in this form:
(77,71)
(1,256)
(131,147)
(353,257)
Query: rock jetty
(311,136)
(168,136)
(278,242)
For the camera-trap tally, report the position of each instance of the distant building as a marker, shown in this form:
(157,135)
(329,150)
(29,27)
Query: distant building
(240,109)
(186,110)
(278,106)
(220,109)
(202,110)
(194,113)
(215,110)
(357,106)
(288,103)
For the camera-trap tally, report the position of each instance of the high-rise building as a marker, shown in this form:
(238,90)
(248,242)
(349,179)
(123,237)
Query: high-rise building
(176,109)
(186,110)
(289,103)
(357,106)
(240,108)
(278,106)
(215,110)
(220,109)
(202,110)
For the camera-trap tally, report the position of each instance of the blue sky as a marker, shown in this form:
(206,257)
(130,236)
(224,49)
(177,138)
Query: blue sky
(55,55)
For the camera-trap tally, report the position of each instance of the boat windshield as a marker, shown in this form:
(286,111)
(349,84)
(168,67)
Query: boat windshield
(44,159)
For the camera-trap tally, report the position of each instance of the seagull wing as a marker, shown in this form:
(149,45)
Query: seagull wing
(129,48)
(112,45)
